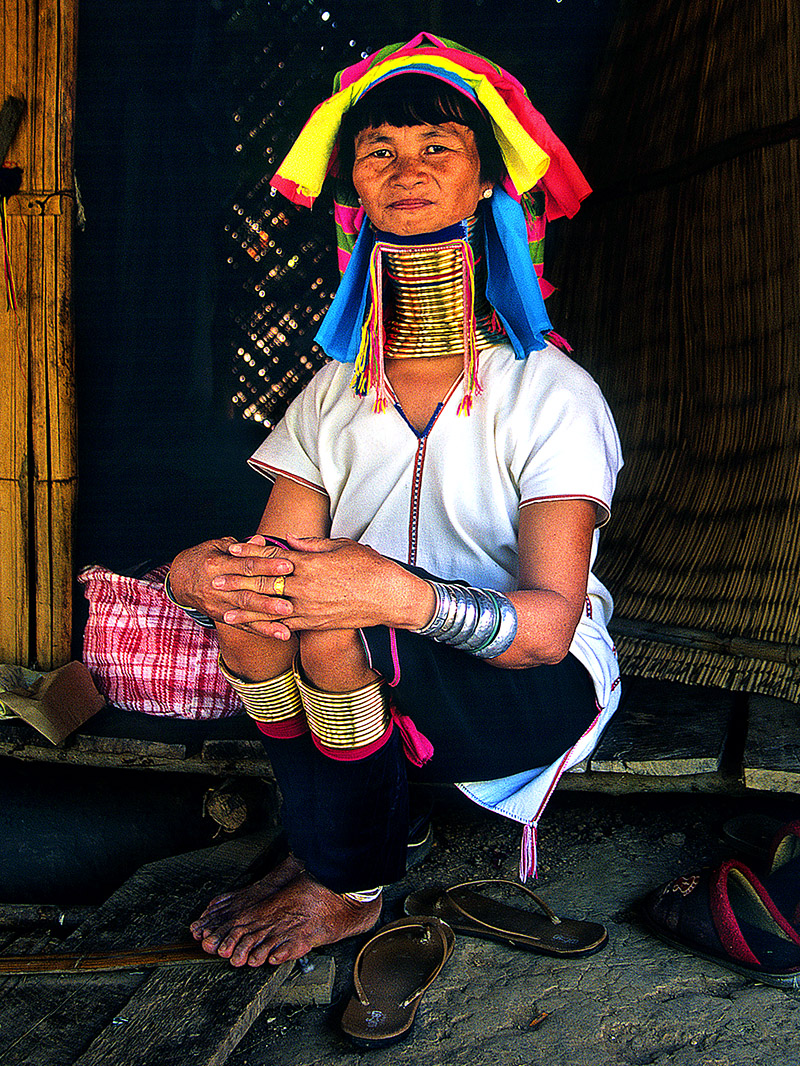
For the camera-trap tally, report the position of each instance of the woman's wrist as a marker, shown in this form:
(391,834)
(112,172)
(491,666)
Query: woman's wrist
(419,605)
(199,617)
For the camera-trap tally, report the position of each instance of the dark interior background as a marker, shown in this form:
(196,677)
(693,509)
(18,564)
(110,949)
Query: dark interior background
(183,110)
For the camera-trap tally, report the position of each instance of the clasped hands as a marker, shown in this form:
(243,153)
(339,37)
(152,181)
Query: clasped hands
(327,584)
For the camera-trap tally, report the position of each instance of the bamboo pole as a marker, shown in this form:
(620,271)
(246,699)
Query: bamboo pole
(38,461)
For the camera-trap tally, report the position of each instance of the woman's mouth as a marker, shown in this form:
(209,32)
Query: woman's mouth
(409,205)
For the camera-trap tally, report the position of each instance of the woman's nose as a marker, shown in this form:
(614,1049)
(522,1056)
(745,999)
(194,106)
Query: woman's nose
(407,170)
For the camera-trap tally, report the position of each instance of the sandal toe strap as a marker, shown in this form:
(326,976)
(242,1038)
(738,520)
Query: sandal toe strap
(540,903)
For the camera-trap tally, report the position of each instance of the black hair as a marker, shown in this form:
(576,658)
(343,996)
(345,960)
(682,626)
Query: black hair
(416,100)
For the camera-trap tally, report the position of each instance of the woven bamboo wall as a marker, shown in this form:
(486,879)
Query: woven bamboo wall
(37,423)
(681,294)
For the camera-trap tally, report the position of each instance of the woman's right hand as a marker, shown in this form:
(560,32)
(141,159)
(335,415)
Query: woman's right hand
(194,571)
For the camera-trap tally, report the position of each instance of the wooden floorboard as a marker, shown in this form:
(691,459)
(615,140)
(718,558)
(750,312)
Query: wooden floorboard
(772,750)
(53,1022)
(665,729)
(196,1014)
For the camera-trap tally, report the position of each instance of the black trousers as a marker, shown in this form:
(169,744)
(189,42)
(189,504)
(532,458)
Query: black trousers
(348,821)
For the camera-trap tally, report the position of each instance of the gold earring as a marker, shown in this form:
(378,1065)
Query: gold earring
(487,194)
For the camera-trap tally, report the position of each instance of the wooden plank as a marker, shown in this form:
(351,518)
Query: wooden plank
(14,583)
(772,748)
(32,750)
(234,751)
(51,1022)
(663,728)
(201,1012)
(20,741)
(140,750)
(21,915)
(54,448)
(627,784)
(311,986)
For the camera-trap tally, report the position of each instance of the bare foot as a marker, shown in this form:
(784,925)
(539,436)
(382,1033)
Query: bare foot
(263,923)
(223,910)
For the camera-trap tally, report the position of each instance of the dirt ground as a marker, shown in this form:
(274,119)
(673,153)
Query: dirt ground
(637,1002)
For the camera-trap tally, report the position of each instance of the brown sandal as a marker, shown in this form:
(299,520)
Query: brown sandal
(392,971)
(478,915)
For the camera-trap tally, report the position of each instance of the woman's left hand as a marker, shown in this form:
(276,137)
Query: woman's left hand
(334,584)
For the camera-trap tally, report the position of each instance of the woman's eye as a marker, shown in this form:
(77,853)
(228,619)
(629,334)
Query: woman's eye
(436,149)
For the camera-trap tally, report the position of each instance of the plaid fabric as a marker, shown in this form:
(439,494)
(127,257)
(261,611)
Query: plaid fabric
(145,654)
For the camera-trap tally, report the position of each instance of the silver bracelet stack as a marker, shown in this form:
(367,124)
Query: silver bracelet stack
(195,615)
(482,622)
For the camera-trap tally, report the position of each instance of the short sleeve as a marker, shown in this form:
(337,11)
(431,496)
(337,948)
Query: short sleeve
(567,447)
(292,448)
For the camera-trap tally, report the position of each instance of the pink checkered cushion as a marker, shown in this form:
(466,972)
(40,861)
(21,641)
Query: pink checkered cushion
(145,654)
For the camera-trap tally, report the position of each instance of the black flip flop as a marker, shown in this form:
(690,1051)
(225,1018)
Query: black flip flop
(392,972)
(478,915)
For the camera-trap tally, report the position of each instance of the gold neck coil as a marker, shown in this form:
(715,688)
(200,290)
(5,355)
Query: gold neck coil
(426,299)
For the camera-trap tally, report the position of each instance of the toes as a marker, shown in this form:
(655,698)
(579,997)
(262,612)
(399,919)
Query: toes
(217,903)
(275,954)
(247,945)
(210,942)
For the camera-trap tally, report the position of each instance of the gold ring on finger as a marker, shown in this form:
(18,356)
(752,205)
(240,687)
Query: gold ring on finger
(278,584)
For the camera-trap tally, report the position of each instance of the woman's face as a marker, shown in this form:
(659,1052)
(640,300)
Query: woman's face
(417,179)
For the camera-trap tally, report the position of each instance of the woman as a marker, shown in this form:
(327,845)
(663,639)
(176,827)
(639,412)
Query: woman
(418,597)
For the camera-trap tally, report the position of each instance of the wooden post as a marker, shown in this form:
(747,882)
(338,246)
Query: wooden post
(37,410)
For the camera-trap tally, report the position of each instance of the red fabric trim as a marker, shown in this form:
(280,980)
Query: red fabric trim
(353,754)
(287,730)
(725,923)
(291,191)
(416,746)
(271,472)
(571,496)
(395,658)
(416,477)
(413,504)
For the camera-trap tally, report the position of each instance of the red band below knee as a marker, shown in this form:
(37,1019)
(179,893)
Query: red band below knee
(286,730)
(353,754)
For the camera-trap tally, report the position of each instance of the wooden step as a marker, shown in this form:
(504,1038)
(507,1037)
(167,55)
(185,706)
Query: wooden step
(665,729)
(772,750)
(664,735)
(155,1015)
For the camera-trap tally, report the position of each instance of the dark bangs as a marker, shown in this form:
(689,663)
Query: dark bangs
(418,100)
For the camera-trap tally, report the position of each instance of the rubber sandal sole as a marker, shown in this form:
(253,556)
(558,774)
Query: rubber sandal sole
(392,972)
(472,914)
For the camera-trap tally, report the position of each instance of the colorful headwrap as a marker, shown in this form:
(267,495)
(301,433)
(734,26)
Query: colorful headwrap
(536,163)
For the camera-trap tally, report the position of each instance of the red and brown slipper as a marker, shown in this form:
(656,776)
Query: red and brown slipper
(727,915)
